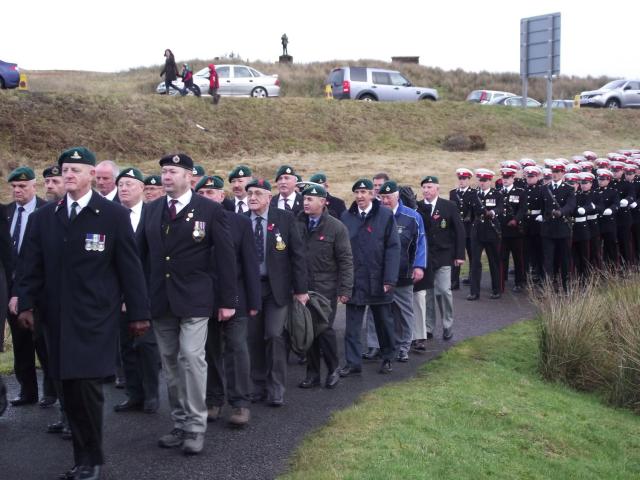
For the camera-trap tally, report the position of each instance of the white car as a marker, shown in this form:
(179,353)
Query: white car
(235,81)
(487,96)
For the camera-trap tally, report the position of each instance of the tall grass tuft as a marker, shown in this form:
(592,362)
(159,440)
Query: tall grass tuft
(590,337)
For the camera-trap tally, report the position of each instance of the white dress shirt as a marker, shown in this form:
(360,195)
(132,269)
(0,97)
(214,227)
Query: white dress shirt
(183,200)
(135,213)
(291,199)
(28,210)
(83,201)
(111,195)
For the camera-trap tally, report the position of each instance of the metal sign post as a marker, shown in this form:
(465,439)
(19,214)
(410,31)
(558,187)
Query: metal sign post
(540,53)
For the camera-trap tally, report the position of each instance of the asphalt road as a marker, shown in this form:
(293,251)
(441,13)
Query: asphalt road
(259,451)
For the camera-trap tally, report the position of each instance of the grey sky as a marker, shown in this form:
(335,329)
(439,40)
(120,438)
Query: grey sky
(472,35)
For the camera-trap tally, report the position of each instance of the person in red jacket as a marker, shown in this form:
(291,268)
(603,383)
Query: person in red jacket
(214,83)
(187,80)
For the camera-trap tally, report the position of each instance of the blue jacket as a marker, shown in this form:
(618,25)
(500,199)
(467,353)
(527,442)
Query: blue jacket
(376,253)
(413,251)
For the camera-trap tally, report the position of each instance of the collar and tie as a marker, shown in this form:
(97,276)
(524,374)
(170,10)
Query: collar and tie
(16,231)
(258,234)
(239,208)
(74,211)
(313,223)
(363,216)
(286,204)
(172,209)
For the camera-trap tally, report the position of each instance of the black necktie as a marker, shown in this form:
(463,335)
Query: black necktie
(172,209)
(259,237)
(239,209)
(74,213)
(555,186)
(363,216)
(312,224)
(428,207)
(16,231)
(286,205)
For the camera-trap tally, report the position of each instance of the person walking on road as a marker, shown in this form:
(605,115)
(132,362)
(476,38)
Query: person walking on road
(170,71)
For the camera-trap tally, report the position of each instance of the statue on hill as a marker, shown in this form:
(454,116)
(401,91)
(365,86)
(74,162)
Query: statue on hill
(285,41)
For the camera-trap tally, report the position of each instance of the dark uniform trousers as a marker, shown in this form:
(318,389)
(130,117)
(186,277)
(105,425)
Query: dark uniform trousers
(140,363)
(492,250)
(83,406)
(324,346)
(385,330)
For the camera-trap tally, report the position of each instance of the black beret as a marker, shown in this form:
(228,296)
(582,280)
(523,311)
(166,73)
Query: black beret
(241,171)
(177,160)
(52,171)
(153,180)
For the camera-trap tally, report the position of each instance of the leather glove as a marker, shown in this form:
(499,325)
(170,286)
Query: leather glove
(581,211)
(624,202)
(607,212)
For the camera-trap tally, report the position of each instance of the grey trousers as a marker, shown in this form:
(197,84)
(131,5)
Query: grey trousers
(403,319)
(419,315)
(440,294)
(181,342)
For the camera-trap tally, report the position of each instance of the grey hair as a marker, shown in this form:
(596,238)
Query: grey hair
(114,168)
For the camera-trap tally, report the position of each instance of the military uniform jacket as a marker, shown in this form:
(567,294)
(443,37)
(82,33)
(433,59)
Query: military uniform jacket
(593,211)
(487,229)
(515,208)
(608,198)
(84,268)
(563,199)
(626,191)
(635,212)
(297,203)
(581,228)
(179,255)
(464,202)
(534,208)
(376,253)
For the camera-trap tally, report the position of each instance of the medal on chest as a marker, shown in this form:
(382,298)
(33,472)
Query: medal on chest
(94,242)
(280,245)
(198,231)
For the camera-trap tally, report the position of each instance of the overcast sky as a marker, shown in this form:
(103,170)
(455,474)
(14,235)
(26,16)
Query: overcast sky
(597,38)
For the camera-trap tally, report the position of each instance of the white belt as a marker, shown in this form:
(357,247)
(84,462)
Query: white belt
(536,212)
(592,217)
(580,219)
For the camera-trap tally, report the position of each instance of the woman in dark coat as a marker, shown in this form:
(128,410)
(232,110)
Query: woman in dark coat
(170,70)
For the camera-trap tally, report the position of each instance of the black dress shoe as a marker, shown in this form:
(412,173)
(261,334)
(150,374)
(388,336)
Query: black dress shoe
(128,406)
(455,286)
(20,401)
(310,382)
(420,345)
(349,371)
(151,405)
(87,472)
(403,357)
(494,296)
(447,334)
(472,297)
(371,354)
(69,474)
(56,427)
(276,402)
(332,379)
(429,335)
(385,367)
(256,397)
(47,401)
(120,383)
(466,281)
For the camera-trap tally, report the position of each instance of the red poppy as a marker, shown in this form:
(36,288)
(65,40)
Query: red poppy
(321,237)
(369,229)
(270,227)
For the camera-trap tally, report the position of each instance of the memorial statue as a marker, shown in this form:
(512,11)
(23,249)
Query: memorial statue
(285,42)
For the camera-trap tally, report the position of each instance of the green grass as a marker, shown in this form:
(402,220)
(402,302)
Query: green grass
(479,411)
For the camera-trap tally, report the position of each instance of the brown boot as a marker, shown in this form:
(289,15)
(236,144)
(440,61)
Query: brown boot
(239,416)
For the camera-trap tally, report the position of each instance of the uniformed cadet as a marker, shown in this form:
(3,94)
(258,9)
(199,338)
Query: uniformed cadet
(631,174)
(238,178)
(512,228)
(532,223)
(106,173)
(54,186)
(624,220)
(140,357)
(488,206)
(153,188)
(180,232)
(227,350)
(287,197)
(463,197)
(609,200)
(335,205)
(592,209)
(580,233)
(546,176)
(198,173)
(518,180)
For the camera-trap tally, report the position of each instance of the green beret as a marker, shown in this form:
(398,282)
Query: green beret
(21,174)
(213,182)
(259,183)
(388,187)
(285,170)
(198,171)
(177,160)
(77,155)
(318,178)
(362,183)
(131,172)
(52,171)
(241,171)
(153,180)
(315,191)
(429,179)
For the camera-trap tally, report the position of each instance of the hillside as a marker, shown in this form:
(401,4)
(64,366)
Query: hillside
(345,139)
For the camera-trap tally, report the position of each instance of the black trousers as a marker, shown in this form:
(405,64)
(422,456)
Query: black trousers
(455,271)
(83,401)
(635,241)
(533,255)
(609,249)
(324,346)
(556,253)
(491,248)
(624,243)
(26,345)
(228,363)
(581,251)
(513,247)
(595,252)
(140,364)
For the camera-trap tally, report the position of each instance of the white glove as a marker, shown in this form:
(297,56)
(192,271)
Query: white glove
(624,202)
(581,211)
(633,205)
(539,218)
(607,212)
(593,205)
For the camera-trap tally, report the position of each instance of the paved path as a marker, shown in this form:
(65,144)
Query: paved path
(260,451)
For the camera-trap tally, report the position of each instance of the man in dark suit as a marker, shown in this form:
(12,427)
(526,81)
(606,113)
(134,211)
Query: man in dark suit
(283,279)
(463,198)
(181,232)
(227,349)
(445,242)
(26,344)
(334,205)
(238,179)
(140,357)
(287,197)
(66,245)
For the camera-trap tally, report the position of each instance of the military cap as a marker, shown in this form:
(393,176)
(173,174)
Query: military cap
(630,167)
(549,162)
(430,179)
(571,177)
(318,178)
(131,172)
(258,183)
(578,158)
(363,183)
(625,151)
(315,191)
(532,171)
(77,155)
(527,162)
(508,172)
(558,167)
(511,164)
(563,161)
(573,168)
(464,173)
(21,174)
(546,172)
(484,174)
(604,173)
(298,178)
(388,187)
(210,182)
(177,160)
(52,171)
(586,165)
(198,171)
(616,165)
(613,155)
(153,180)
(602,162)
(586,176)
(589,155)
(241,171)
(285,170)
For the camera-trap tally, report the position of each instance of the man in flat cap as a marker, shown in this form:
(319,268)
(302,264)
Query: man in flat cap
(65,245)
(53,183)
(153,188)
(182,230)
(287,197)
(334,205)
(238,178)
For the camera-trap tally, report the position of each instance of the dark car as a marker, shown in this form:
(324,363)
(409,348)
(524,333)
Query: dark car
(9,75)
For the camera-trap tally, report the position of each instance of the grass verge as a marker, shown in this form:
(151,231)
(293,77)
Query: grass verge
(480,410)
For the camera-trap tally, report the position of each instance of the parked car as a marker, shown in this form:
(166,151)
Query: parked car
(487,96)
(515,101)
(9,75)
(560,104)
(376,84)
(615,94)
(235,81)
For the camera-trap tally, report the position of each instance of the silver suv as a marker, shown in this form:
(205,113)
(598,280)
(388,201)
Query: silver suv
(376,84)
(615,94)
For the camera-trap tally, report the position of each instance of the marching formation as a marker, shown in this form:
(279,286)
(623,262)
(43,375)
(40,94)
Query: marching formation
(166,272)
